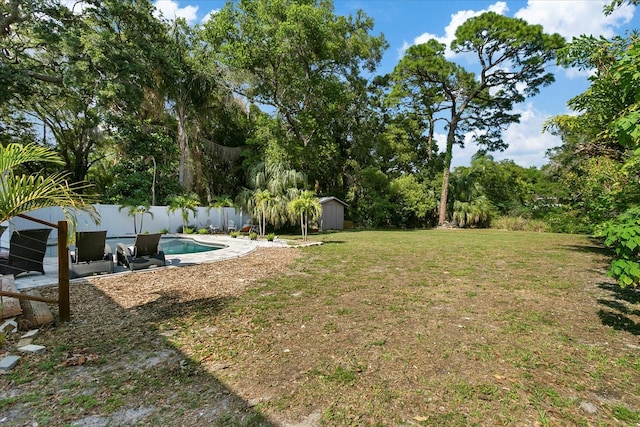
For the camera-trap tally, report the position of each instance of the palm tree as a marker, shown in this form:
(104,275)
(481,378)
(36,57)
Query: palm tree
(21,193)
(273,185)
(307,207)
(135,208)
(185,204)
(223,201)
(260,202)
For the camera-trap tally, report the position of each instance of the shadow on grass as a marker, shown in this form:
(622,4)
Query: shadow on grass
(593,248)
(175,392)
(169,306)
(617,313)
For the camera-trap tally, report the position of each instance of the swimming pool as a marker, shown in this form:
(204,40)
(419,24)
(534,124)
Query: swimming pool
(170,245)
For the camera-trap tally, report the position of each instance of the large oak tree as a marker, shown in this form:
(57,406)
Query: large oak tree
(304,65)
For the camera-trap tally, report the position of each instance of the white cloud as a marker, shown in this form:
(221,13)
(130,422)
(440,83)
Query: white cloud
(75,6)
(457,19)
(527,144)
(169,9)
(573,18)
(209,15)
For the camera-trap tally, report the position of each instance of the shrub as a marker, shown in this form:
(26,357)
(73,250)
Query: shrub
(622,234)
(518,223)
(476,213)
(234,234)
(203,230)
(164,231)
(253,235)
(270,237)
(190,229)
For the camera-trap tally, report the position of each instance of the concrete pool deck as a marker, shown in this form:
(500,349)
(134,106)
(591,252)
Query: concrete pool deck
(234,248)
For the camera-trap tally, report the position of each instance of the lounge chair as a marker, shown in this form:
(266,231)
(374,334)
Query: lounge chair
(231,225)
(92,254)
(26,251)
(211,229)
(248,228)
(145,252)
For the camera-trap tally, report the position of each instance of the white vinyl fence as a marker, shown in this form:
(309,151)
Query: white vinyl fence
(118,222)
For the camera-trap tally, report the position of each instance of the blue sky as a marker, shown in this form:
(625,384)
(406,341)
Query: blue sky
(407,22)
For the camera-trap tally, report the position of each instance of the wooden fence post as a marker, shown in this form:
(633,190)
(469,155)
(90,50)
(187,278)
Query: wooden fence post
(64,305)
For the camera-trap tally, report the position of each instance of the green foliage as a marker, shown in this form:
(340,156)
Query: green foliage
(452,94)
(306,207)
(475,213)
(273,185)
(234,234)
(135,208)
(253,236)
(307,68)
(125,174)
(369,199)
(518,223)
(623,235)
(74,70)
(21,193)
(185,204)
(203,231)
(415,202)
(270,237)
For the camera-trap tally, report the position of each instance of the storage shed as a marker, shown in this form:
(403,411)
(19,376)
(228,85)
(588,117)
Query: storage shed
(332,213)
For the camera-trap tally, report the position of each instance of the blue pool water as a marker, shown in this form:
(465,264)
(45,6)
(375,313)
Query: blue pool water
(170,245)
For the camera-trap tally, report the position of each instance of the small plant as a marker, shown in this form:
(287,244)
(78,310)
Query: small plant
(623,236)
(253,235)
(164,231)
(203,230)
(270,237)
(188,230)
(234,234)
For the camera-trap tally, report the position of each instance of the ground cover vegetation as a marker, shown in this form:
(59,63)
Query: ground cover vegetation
(429,327)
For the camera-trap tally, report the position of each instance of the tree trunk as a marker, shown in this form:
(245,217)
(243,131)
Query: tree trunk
(183,146)
(430,138)
(444,195)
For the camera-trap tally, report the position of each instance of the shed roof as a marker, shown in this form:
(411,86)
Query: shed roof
(324,200)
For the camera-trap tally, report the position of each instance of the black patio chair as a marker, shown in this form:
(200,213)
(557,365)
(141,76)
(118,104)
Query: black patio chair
(26,251)
(92,254)
(145,252)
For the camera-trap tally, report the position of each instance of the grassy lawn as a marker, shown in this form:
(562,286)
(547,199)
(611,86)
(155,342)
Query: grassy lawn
(442,327)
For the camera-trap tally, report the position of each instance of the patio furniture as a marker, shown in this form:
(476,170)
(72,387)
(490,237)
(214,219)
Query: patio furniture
(248,228)
(231,225)
(145,252)
(26,251)
(92,254)
(211,229)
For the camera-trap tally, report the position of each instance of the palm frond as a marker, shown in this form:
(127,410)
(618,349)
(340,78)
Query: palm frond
(26,193)
(14,155)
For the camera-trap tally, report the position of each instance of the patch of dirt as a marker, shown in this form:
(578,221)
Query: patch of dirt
(115,364)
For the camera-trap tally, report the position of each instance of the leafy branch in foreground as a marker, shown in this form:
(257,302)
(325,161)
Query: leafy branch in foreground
(623,235)
(20,193)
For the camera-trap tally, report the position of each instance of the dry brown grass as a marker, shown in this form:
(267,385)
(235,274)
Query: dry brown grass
(372,328)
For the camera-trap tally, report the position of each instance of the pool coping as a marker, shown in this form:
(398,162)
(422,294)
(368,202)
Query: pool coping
(233,248)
